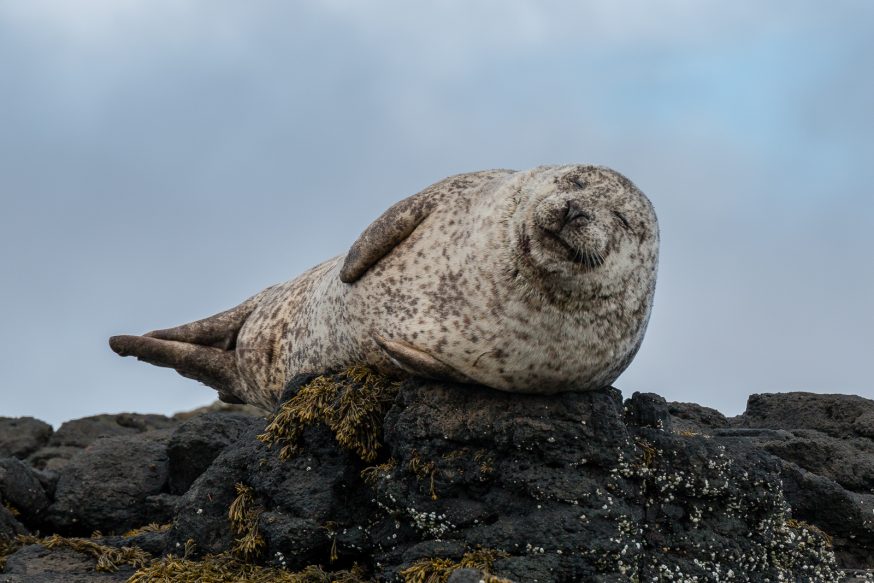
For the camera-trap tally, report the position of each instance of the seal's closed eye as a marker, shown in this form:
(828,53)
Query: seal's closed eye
(622,220)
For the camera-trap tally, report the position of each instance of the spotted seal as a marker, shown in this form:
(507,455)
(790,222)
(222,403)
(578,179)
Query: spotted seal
(537,281)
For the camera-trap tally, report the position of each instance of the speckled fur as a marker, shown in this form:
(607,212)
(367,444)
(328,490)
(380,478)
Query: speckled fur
(537,282)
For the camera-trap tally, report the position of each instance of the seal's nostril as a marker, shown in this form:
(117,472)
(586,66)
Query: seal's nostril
(576,215)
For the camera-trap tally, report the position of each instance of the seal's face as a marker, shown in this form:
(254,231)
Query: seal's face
(581,223)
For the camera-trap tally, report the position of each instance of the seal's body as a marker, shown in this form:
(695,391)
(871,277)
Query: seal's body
(536,282)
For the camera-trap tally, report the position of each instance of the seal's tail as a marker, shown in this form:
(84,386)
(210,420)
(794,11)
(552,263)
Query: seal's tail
(203,350)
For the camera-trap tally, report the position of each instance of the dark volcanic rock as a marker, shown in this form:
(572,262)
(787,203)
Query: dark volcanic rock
(824,442)
(567,487)
(77,434)
(834,415)
(516,473)
(83,432)
(466,576)
(319,493)
(37,564)
(197,442)
(202,512)
(222,407)
(52,458)
(691,417)
(572,487)
(849,462)
(573,493)
(9,525)
(21,489)
(21,436)
(648,410)
(846,516)
(106,486)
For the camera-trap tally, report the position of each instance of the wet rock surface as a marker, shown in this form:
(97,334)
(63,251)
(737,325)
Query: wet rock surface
(573,487)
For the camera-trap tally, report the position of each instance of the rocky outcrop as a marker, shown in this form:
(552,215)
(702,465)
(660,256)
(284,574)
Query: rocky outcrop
(843,416)
(21,436)
(461,481)
(826,447)
(108,487)
(196,443)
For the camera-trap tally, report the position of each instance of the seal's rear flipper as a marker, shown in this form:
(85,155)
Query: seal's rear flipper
(420,363)
(219,331)
(203,350)
(212,366)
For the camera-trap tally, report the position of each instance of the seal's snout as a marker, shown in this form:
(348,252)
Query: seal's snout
(576,215)
(556,214)
(573,228)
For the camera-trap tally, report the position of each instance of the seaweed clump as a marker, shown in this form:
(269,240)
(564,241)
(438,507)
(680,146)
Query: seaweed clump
(236,565)
(7,547)
(226,568)
(352,404)
(109,559)
(151,527)
(243,516)
(439,570)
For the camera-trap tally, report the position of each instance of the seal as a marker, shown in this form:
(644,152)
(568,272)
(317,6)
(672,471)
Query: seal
(538,281)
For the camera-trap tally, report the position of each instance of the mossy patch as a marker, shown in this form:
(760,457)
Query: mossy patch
(439,570)
(352,404)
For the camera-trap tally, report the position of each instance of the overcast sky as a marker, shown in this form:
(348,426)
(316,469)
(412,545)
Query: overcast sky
(161,160)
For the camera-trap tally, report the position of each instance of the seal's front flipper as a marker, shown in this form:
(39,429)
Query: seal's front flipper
(401,219)
(383,234)
(420,363)
(212,366)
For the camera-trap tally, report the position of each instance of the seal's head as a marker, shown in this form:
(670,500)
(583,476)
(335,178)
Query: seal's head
(582,225)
